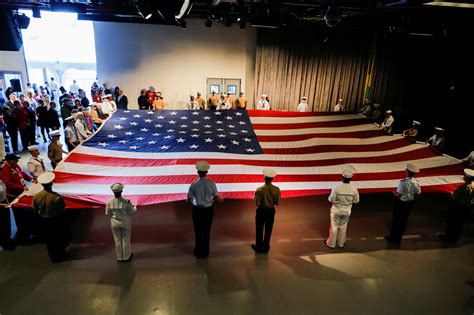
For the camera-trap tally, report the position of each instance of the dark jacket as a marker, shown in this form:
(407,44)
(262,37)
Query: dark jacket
(53,119)
(122,103)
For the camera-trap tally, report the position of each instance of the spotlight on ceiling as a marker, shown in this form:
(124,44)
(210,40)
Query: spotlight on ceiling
(332,17)
(36,12)
(208,22)
(185,9)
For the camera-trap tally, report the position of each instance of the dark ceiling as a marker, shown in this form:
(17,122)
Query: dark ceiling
(277,13)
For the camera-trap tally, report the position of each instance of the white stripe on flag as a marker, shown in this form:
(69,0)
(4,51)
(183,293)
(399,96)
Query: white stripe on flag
(298,120)
(315,131)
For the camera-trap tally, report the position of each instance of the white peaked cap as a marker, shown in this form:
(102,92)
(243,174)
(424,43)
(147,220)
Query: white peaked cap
(469,173)
(439,129)
(416,122)
(412,168)
(304,98)
(55,133)
(269,172)
(389,111)
(347,173)
(264,95)
(117,187)
(46,178)
(32,148)
(203,166)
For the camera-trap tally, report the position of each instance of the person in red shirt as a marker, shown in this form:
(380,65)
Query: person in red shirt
(14,179)
(150,94)
(23,120)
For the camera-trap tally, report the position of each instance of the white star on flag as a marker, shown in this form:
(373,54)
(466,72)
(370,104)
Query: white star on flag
(148,120)
(129,133)
(168,137)
(235,142)
(158,126)
(184,126)
(184,117)
(165,147)
(207,126)
(123,118)
(217,113)
(221,146)
(139,138)
(219,122)
(112,136)
(170,130)
(247,140)
(133,123)
(173,113)
(172,122)
(242,122)
(161,117)
(195,122)
(221,136)
(123,141)
(133,147)
(155,134)
(151,142)
(194,136)
(118,127)
(207,117)
(195,113)
(209,140)
(249,150)
(137,116)
(104,144)
(180,140)
(194,146)
(238,113)
(144,129)
(228,117)
(149,112)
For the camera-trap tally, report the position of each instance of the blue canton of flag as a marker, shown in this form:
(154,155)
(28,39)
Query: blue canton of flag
(228,131)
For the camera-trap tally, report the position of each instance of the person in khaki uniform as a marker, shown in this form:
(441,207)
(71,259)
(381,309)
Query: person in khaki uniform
(55,149)
(200,100)
(266,198)
(120,209)
(50,207)
(241,101)
(213,101)
(35,164)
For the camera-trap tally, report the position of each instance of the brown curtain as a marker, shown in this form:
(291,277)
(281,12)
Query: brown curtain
(293,63)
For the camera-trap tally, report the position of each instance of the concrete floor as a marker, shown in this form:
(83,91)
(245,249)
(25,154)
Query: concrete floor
(299,275)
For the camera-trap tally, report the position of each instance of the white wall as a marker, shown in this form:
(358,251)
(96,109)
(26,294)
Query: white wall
(14,61)
(175,61)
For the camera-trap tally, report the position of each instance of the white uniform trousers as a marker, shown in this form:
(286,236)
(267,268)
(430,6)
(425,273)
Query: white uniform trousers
(337,229)
(121,231)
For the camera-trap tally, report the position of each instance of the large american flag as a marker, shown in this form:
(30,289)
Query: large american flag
(154,152)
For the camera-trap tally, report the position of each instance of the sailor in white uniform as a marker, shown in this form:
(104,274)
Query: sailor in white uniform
(388,122)
(263,104)
(36,163)
(303,106)
(120,210)
(342,197)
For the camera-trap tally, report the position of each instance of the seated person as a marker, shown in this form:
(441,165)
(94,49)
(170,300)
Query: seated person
(412,132)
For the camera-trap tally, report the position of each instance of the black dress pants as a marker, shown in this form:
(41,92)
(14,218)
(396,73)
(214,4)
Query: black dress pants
(456,218)
(25,223)
(202,221)
(25,138)
(5,225)
(264,219)
(54,233)
(13,133)
(401,212)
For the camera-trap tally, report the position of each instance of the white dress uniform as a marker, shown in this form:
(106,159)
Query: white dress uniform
(339,108)
(437,141)
(120,210)
(263,105)
(54,88)
(388,123)
(224,105)
(82,132)
(36,166)
(192,105)
(108,107)
(302,107)
(342,197)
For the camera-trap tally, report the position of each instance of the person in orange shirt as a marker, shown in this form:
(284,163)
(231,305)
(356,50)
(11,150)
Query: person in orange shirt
(241,101)
(159,103)
(213,101)
(200,100)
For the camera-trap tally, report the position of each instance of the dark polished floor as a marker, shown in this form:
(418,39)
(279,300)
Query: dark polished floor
(299,275)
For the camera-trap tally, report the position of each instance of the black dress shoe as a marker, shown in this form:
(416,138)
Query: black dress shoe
(256,249)
(391,240)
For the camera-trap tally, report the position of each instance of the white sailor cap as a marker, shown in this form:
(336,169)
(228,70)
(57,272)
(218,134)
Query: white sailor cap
(32,148)
(469,173)
(439,129)
(203,166)
(269,172)
(264,95)
(106,96)
(347,173)
(55,133)
(412,168)
(69,118)
(117,187)
(304,98)
(389,111)
(46,178)
(416,123)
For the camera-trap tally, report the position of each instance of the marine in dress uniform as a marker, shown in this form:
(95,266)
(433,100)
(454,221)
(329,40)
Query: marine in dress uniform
(437,140)
(262,103)
(202,194)
(407,190)
(201,101)
(36,163)
(213,101)
(303,106)
(266,198)
(339,107)
(387,124)
(463,200)
(241,101)
(342,197)
(55,150)
(14,179)
(50,207)
(71,134)
(120,209)
(412,132)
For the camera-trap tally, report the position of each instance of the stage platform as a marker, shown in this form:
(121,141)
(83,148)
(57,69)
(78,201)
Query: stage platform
(299,275)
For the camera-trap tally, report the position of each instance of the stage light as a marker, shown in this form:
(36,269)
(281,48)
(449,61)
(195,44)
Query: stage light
(332,17)
(36,12)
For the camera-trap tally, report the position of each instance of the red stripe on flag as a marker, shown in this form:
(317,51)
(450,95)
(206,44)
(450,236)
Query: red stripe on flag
(271,113)
(320,124)
(356,134)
